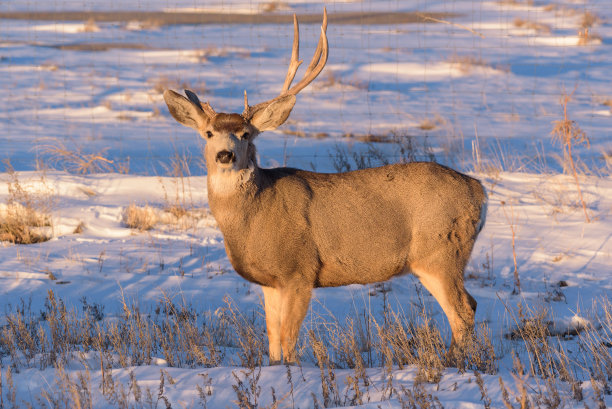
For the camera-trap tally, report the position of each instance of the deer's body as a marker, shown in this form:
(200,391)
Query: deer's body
(348,228)
(291,230)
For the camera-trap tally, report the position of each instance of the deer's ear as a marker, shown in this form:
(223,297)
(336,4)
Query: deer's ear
(274,115)
(185,111)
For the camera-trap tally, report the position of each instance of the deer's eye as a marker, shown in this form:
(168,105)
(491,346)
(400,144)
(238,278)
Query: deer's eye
(209,134)
(245,135)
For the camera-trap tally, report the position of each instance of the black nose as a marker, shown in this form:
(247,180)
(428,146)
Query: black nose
(226,157)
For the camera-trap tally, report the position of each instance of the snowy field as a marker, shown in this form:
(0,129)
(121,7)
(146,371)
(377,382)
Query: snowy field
(86,137)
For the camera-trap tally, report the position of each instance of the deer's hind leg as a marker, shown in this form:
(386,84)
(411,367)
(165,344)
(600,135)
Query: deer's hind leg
(445,283)
(272,307)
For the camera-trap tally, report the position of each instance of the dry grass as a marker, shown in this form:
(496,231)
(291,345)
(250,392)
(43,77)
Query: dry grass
(144,218)
(517,2)
(82,163)
(569,135)
(428,124)
(274,6)
(140,217)
(302,134)
(532,25)
(588,20)
(586,37)
(187,338)
(90,26)
(25,218)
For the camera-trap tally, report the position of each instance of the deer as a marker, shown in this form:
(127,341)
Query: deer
(291,231)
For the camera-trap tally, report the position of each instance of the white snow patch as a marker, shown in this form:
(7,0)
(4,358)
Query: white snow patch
(67,28)
(428,72)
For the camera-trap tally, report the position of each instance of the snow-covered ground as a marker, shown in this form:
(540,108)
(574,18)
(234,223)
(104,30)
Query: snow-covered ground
(480,94)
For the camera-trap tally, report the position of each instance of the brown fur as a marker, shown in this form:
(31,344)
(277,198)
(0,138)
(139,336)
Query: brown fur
(229,123)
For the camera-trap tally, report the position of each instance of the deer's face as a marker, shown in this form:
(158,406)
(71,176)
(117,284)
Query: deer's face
(228,143)
(229,137)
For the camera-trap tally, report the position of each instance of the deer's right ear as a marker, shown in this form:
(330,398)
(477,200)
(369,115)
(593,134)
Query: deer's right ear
(185,111)
(274,115)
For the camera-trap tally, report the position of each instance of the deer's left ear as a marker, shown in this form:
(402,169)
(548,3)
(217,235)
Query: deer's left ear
(186,111)
(274,115)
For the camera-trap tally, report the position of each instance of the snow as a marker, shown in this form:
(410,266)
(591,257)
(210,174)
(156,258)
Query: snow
(492,101)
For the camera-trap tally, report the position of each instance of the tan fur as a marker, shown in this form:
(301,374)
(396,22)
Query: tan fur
(291,230)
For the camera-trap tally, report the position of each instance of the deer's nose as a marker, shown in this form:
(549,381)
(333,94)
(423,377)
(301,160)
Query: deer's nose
(226,157)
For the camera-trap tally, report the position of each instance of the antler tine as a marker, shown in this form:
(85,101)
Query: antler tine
(295,55)
(315,67)
(322,39)
(245,113)
(319,59)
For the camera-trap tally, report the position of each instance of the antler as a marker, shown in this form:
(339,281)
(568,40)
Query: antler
(319,59)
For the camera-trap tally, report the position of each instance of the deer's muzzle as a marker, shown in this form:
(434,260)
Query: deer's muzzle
(226,157)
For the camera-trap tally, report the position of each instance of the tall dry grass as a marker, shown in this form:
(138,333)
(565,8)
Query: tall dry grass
(569,135)
(76,160)
(184,337)
(25,217)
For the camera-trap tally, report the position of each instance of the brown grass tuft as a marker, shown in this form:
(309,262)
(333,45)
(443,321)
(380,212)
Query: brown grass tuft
(91,26)
(274,6)
(428,124)
(140,217)
(25,218)
(532,25)
(589,20)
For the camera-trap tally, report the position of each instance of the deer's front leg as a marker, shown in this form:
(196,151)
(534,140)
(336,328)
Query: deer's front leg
(295,299)
(272,307)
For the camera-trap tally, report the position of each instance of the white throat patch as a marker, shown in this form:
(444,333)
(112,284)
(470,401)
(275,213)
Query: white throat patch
(229,181)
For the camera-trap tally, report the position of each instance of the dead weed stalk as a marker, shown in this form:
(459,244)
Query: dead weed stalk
(82,163)
(569,135)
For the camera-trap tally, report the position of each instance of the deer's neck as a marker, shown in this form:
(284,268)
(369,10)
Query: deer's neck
(229,182)
(231,191)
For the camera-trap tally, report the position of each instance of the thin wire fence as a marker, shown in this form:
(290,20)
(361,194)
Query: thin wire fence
(448,75)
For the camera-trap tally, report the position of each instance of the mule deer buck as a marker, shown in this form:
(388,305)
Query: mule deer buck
(290,230)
